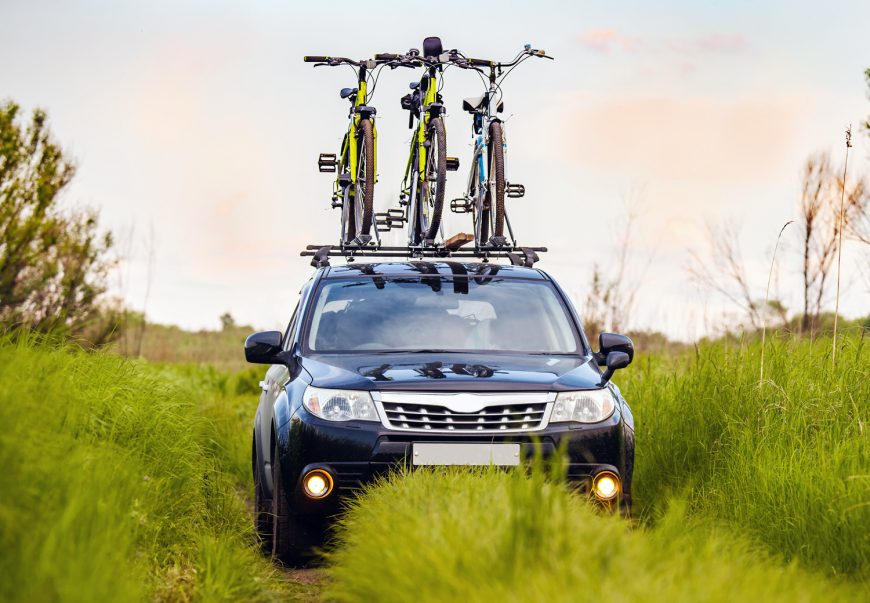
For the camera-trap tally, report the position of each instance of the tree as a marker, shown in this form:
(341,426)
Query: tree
(867,79)
(724,272)
(228,323)
(612,291)
(821,193)
(53,263)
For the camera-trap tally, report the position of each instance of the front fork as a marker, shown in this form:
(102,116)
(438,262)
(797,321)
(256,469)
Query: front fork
(350,153)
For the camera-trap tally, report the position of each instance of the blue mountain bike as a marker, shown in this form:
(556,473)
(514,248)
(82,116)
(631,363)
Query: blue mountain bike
(484,196)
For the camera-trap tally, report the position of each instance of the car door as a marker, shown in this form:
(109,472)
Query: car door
(271,387)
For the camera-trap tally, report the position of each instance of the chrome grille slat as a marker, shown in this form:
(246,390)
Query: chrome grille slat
(447,413)
(536,416)
(490,418)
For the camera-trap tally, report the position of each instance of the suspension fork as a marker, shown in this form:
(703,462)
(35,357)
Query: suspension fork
(352,138)
(429,86)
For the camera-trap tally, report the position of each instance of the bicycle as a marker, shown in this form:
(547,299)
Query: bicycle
(423,185)
(485,193)
(356,166)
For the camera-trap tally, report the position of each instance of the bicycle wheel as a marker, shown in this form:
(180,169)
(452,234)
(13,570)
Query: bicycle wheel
(495,205)
(364,189)
(432,185)
(480,205)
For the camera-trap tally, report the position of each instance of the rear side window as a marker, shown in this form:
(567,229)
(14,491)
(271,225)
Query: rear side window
(453,314)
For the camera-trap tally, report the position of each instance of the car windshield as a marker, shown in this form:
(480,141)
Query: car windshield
(489,314)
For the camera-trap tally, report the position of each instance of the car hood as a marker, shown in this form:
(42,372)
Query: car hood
(452,372)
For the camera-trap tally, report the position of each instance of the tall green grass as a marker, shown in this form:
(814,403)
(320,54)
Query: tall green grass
(786,461)
(744,491)
(121,482)
(493,536)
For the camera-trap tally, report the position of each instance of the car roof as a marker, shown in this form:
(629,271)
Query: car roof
(440,268)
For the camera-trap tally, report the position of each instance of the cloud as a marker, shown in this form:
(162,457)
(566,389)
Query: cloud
(722,43)
(605,40)
(716,141)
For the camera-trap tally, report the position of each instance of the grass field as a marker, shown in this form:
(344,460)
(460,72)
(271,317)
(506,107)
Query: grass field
(127,481)
(744,491)
(121,482)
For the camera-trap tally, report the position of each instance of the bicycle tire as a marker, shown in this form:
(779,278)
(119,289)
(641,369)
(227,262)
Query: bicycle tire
(435,132)
(480,194)
(366,169)
(496,163)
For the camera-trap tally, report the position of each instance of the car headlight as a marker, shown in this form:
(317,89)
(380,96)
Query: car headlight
(588,406)
(340,404)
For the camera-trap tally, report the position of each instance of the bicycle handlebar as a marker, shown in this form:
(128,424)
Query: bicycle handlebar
(493,64)
(315,59)
(387,56)
(479,62)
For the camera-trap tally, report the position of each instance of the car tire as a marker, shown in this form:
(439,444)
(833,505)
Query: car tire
(262,502)
(294,537)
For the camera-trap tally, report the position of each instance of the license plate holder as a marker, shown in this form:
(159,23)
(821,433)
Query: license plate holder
(465,453)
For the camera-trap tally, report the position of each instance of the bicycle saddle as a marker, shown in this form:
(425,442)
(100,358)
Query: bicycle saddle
(473,104)
(345,92)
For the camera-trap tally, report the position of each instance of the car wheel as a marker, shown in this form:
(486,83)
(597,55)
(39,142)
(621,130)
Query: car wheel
(294,537)
(262,503)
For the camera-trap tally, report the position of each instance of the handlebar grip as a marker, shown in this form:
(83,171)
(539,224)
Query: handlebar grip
(479,62)
(387,56)
(315,59)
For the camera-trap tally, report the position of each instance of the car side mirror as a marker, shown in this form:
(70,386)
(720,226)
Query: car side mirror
(615,361)
(613,342)
(265,348)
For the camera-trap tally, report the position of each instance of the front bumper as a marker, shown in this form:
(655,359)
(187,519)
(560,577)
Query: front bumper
(357,452)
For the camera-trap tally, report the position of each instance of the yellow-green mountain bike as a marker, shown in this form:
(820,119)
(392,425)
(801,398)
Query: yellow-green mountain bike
(426,172)
(356,164)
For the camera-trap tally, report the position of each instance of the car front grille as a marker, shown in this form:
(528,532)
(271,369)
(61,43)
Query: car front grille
(527,414)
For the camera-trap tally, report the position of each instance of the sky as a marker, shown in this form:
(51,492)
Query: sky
(196,127)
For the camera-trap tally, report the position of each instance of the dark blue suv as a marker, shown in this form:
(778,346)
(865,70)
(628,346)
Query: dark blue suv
(428,364)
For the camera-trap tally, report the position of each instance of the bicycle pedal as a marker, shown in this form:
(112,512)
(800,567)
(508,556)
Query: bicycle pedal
(452,164)
(390,219)
(327,162)
(382,222)
(460,206)
(515,191)
(396,215)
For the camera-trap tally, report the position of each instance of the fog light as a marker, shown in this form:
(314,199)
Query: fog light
(317,483)
(605,485)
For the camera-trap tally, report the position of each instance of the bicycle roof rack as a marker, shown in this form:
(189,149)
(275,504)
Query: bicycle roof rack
(518,256)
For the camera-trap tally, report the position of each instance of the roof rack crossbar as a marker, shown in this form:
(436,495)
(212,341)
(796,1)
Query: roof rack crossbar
(518,256)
